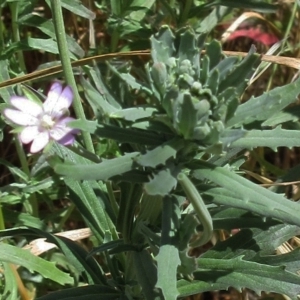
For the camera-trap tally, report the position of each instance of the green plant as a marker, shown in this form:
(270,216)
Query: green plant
(165,177)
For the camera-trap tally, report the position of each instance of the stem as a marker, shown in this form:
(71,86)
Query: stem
(186,10)
(200,209)
(2,223)
(14,9)
(31,203)
(67,67)
(1,30)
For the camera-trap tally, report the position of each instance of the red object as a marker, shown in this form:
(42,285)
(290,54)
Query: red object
(255,34)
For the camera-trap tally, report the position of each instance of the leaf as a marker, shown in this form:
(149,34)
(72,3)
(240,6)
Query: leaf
(265,106)
(162,45)
(102,171)
(134,113)
(11,285)
(239,74)
(228,218)
(160,154)
(33,263)
(77,256)
(286,115)
(97,100)
(146,273)
(273,139)
(141,8)
(90,292)
(76,7)
(252,243)
(122,135)
(248,195)
(167,263)
(162,182)
(238,273)
(89,196)
(290,260)
(47,27)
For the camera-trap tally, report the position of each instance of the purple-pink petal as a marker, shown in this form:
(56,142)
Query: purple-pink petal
(19,117)
(52,97)
(28,134)
(40,141)
(68,139)
(26,106)
(58,104)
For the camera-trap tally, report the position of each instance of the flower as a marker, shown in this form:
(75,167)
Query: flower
(44,122)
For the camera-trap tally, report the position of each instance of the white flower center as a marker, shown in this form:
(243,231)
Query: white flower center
(47,122)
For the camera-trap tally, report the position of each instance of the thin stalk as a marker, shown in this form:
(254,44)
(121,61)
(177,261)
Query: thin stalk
(32,203)
(14,9)
(67,67)
(186,10)
(200,209)
(2,223)
(1,30)
(286,35)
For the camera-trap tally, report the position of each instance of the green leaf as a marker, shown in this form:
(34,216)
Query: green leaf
(11,290)
(139,8)
(162,45)
(134,113)
(167,263)
(97,100)
(102,171)
(76,7)
(122,135)
(160,154)
(273,139)
(77,256)
(286,115)
(239,74)
(247,195)
(89,196)
(239,274)
(265,106)
(162,182)
(290,260)
(146,273)
(47,27)
(90,292)
(252,243)
(33,263)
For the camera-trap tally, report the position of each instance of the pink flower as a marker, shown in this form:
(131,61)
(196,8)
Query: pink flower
(44,122)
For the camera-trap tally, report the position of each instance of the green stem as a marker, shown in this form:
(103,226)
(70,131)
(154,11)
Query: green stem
(115,39)
(285,38)
(31,204)
(22,156)
(67,67)
(1,30)
(200,209)
(2,224)
(14,9)
(186,10)
(112,198)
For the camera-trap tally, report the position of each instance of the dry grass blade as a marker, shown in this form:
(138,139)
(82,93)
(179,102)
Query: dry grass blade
(39,246)
(281,60)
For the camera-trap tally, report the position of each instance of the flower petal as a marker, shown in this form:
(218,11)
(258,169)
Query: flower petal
(27,106)
(61,129)
(28,134)
(68,139)
(19,117)
(40,141)
(52,97)
(56,104)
